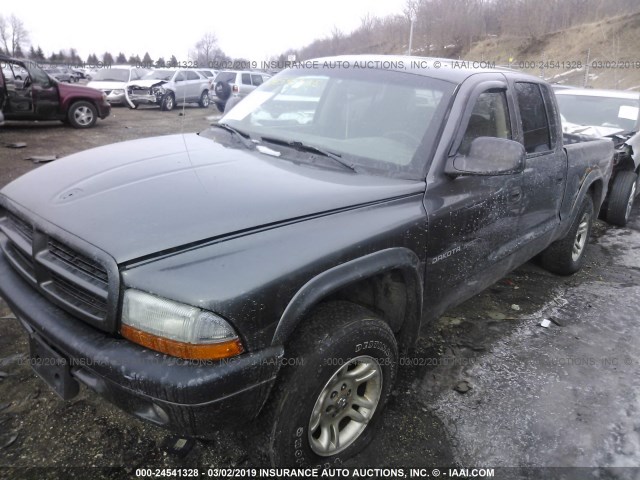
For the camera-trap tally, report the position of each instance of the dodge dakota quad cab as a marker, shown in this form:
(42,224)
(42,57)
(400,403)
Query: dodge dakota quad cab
(40,97)
(276,265)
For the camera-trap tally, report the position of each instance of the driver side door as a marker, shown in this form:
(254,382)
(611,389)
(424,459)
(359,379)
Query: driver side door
(473,219)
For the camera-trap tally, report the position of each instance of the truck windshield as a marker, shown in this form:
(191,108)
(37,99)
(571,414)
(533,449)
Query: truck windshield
(382,121)
(598,111)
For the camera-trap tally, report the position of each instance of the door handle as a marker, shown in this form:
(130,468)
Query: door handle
(515,195)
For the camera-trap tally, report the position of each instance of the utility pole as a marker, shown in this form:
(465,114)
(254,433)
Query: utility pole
(413,20)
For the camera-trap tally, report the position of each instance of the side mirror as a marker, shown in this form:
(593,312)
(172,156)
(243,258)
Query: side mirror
(488,156)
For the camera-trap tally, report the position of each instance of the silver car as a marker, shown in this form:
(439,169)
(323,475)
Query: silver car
(113,80)
(166,87)
(235,83)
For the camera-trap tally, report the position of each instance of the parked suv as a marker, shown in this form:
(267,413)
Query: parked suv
(40,97)
(166,87)
(235,83)
(113,80)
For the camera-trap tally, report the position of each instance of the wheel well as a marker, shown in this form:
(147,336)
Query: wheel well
(81,99)
(384,294)
(595,190)
(390,297)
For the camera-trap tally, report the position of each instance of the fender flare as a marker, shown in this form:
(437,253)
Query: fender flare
(593,177)
(332,280)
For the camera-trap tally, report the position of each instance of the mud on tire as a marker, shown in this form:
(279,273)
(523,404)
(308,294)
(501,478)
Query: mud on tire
(621,197)
(566,256)
(328,401)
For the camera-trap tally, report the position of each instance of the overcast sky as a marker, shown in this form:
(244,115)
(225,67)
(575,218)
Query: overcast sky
(251,29)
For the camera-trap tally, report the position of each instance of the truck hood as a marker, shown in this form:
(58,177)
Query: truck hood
(142,197)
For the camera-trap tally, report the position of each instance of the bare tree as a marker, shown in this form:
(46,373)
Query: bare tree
(206,48)
(13,34)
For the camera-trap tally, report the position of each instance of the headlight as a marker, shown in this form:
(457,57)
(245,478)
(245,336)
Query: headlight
(177,329)
(117,92)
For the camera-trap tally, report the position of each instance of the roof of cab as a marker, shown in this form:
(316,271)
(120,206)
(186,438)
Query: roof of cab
(452,70)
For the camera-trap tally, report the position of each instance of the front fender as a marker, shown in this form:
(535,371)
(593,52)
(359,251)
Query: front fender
(338,277)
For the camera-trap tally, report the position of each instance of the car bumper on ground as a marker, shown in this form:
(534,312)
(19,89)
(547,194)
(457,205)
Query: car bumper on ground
(192,398)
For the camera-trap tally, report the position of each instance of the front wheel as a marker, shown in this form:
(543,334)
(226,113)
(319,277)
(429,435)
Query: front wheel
(82,115)
(335,383)
(168,102)
(566,256)
(621,197)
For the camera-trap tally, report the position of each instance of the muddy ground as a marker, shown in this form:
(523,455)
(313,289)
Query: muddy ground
(488,387)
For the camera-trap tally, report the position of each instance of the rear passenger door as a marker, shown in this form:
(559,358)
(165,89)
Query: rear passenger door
(181,86)
(194,82)
(546,163)
(246,86)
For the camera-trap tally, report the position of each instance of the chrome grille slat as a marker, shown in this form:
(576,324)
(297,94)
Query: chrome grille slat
(71,279)
(88,266)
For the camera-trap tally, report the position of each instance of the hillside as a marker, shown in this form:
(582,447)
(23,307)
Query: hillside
(615,40)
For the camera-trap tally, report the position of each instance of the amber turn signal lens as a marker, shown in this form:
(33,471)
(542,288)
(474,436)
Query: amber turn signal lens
(188,351)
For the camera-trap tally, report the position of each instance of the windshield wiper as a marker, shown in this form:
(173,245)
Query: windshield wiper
(244,138)
(303,147)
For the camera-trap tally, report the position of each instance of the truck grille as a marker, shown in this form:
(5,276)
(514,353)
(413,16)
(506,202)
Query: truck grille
(74,280)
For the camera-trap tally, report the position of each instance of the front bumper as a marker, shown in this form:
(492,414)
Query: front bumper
(115,98)
(104,109)
(192,398)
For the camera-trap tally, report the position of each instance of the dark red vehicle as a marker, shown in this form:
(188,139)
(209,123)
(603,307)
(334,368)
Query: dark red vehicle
(28,93)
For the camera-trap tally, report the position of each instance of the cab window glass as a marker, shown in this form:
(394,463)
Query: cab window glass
(533,115)
(489,118)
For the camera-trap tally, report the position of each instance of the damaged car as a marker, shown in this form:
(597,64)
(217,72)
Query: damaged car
(611,114)
(38,96)
(165,88)
(113,81)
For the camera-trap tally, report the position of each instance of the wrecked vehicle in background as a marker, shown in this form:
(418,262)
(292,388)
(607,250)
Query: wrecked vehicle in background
(113,81)
(165,88)
(611,114)
(40,97)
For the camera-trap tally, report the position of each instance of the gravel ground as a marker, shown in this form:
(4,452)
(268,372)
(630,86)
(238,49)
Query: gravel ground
(488,385)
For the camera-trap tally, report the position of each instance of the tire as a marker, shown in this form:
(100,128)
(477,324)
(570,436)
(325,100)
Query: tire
(168,102)
(82,114)
(204,99)
(621,196)
(220,106)
(316,402)
(223,90)
(566,256)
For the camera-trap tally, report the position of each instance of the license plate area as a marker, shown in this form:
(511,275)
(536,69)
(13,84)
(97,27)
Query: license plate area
(53,368)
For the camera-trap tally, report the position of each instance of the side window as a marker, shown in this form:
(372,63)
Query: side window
(489,118)
(256,79)
(535,125)
(180,77)
(246,79)
(192,76)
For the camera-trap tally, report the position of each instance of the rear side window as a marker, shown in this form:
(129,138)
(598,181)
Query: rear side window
(228,77)
(256,79)
(246,79)
(533,114)
(489,118)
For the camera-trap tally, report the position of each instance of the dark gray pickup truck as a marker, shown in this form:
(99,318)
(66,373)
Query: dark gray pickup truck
(281,262)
